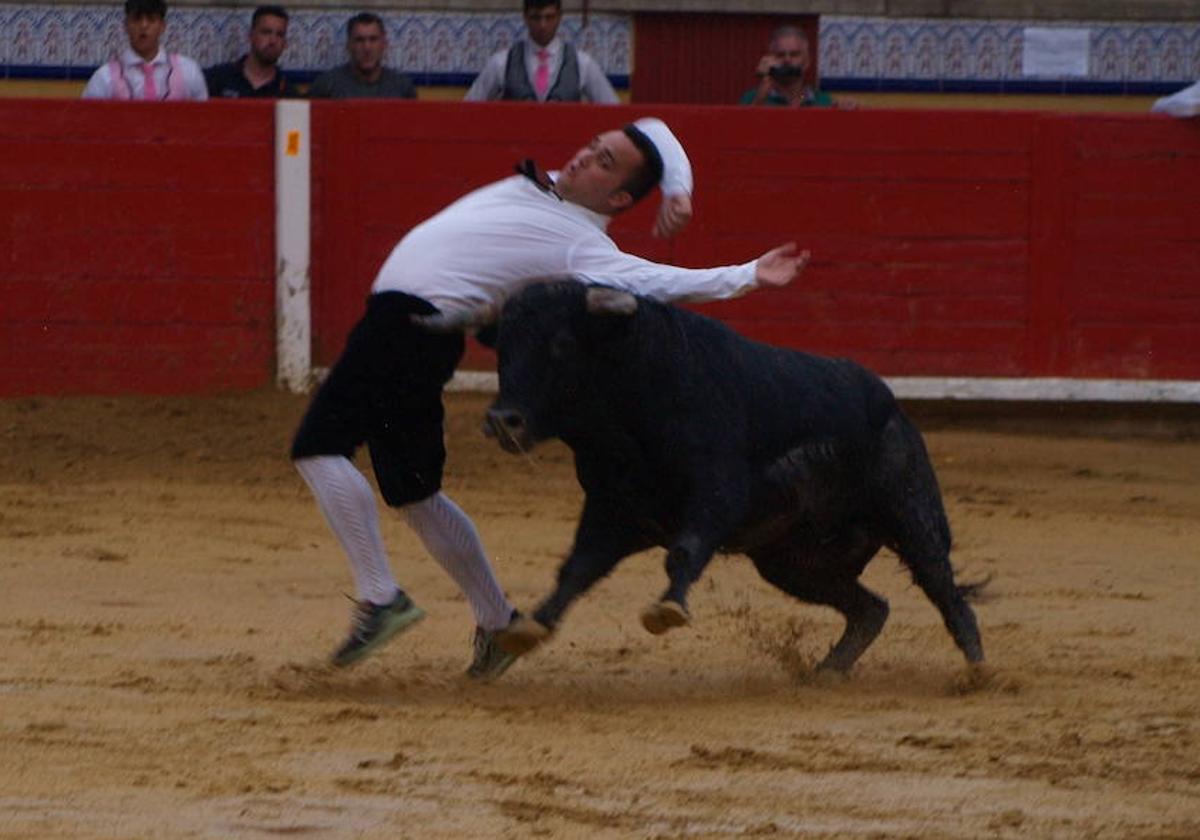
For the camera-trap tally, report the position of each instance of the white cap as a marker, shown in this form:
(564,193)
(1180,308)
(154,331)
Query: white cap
(677,169)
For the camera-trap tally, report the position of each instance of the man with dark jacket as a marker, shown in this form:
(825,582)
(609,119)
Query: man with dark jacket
(257,73)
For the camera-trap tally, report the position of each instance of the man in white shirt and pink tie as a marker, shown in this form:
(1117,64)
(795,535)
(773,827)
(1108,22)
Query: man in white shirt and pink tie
(144,70)
(542,67)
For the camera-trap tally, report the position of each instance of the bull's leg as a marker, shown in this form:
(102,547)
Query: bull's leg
(912,504)
(686,561)
(601,542)
(712,514)
(827,574)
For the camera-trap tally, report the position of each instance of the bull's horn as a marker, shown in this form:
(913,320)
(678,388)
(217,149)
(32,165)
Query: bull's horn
(604,301)
(455,319)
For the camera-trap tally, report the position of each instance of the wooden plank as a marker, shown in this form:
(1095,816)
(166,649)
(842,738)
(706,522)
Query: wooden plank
(928,210)
(859,163)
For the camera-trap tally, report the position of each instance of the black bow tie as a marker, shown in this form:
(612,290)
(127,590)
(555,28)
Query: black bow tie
(540,179)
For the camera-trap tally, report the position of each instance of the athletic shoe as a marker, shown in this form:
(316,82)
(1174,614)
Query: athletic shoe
(375,624)
(490,660)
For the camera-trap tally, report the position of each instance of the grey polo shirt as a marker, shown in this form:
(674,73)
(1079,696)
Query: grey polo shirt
(343,83)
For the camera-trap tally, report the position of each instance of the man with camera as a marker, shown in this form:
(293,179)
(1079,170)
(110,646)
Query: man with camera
(784,80)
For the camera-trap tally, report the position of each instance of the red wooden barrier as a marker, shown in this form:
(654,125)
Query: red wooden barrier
(136,246)
(945,243)
(706,59)
(136,255)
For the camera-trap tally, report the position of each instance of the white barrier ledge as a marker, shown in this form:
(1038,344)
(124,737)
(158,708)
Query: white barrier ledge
(1050,389)
(978,388)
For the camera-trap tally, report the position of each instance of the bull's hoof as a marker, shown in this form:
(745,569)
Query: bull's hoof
(522,636)
(976,677)
(661,616)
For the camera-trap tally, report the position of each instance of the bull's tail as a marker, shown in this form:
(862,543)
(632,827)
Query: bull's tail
(976,592)
(911,502)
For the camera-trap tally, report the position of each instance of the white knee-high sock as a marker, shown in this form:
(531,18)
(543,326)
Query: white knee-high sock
(346,499)
(450,536)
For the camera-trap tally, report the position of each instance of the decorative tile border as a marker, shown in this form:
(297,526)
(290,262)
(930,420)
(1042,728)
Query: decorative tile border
(916,54)
(447,48)
(435,48)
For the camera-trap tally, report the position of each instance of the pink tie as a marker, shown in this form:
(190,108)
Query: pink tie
(149,90)
(541,78)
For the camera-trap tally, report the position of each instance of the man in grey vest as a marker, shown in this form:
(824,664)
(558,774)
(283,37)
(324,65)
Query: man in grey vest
(542,67)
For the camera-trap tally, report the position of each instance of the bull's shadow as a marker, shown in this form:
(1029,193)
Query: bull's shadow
(691,437)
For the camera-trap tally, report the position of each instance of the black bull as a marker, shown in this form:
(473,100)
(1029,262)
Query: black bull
(691,437)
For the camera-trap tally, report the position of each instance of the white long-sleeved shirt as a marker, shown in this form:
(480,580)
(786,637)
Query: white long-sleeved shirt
(593,84)
(102,86)
(1182,103)
(493,242)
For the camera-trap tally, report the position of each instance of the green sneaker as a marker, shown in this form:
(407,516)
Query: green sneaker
(375,624)
(490,660)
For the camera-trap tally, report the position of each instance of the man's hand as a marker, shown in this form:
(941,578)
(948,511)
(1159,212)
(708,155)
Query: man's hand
(765,64)
(779,266)
(673,215)
(765,83)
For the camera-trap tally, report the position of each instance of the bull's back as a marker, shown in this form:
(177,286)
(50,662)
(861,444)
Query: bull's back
(784,397)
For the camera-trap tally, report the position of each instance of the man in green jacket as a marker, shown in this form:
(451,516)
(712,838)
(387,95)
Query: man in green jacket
(783,74)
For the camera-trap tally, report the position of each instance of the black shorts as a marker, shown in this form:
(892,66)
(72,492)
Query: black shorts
(385,390)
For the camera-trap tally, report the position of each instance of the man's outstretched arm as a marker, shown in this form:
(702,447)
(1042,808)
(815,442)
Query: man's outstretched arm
(780,266)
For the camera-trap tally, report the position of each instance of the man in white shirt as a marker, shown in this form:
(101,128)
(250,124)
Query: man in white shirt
(386,388)
(1182,103)
(541,66)
(144,71)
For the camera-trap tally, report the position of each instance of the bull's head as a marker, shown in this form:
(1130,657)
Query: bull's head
(544,343)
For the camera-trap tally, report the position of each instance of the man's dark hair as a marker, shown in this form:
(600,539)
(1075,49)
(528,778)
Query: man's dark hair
(265,11)
(146,8)
(365,19)
(540,4)
(646,176)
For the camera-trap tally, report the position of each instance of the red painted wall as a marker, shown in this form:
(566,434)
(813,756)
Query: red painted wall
(708,59)
(944,243)
(136,247)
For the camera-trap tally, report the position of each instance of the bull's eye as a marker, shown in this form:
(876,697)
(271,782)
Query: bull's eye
(561,345)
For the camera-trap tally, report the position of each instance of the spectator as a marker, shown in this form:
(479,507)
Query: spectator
(784,74)
(364,75)
(145,71)
(257,73)
(541,66)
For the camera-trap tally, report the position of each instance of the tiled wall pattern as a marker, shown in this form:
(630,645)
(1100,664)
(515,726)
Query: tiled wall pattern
(71,41)
(450,48)
(929,53)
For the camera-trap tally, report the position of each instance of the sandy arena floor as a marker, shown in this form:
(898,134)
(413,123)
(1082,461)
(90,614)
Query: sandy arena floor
(168,595)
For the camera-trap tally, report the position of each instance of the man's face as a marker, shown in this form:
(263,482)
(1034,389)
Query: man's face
(593,178)
(791,51)
(144,32)
(366,45)
(268,38)
(543,23)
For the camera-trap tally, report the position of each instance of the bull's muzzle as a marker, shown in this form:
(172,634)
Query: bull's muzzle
(509,428)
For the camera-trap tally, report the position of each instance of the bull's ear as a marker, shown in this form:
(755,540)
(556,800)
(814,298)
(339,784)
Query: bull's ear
(604,301)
